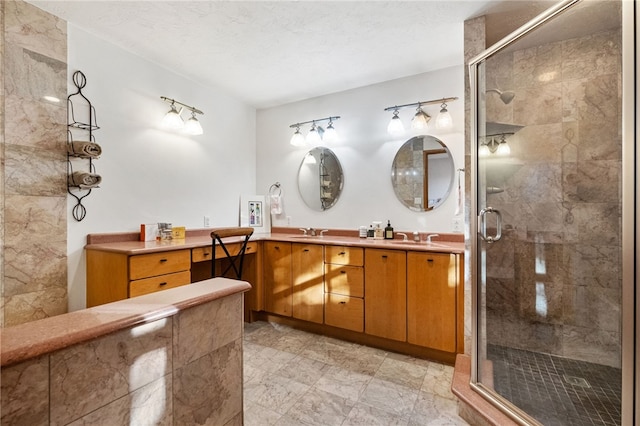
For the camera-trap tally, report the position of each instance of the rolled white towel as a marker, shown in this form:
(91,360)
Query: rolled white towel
(275,201)
(84,179)
(84,149)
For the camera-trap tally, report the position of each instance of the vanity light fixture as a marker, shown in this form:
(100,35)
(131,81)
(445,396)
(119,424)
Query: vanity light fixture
(495,144)
(173,120)
(421,118)
(316,133)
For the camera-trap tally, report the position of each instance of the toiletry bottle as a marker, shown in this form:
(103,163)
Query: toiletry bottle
(378,232)
(362,232)
(388,231)
(370,232)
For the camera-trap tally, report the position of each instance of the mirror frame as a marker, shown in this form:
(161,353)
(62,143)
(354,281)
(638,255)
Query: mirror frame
(420,168)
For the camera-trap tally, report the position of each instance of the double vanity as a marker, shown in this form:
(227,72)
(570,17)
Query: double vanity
(402,296)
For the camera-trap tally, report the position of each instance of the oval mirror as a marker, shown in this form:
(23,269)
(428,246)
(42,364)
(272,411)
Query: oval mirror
(320,179)
(422,173)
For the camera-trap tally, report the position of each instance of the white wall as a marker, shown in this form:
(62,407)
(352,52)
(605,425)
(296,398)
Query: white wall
(366,152)
(151,175)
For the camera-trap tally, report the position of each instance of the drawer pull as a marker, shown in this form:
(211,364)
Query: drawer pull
(343,302)
(429,260)
(384,256)
(206,253)
(342,253)
(343,272)
(305,250)
(161,284)
(163,260)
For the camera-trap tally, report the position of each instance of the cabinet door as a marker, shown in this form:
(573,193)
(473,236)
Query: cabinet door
(307,265)
(385,293)
(344,312)
(277,277)
(431,300)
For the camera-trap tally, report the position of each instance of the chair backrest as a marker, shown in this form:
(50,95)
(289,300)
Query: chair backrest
(237,259)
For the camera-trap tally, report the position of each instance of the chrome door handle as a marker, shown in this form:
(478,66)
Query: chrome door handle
(482,225)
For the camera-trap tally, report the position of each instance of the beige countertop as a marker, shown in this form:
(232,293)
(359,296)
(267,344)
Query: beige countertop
(32,339)
(126,243)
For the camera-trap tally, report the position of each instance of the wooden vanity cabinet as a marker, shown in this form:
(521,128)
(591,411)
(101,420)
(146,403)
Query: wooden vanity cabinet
(276,277)
(117,276)
(385,296)
(344,287)
(307,282)
(432,286)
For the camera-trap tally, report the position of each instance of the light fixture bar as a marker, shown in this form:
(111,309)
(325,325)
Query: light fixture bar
(419,104)
(336,117)
(190,108)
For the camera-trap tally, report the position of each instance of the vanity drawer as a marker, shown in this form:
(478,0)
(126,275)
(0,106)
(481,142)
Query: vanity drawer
(202,254)
(163,282)
(346,280)
(344,312)
(154,264)
(342,255)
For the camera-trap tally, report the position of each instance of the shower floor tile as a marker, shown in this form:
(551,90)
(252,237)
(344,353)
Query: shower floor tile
(555,390)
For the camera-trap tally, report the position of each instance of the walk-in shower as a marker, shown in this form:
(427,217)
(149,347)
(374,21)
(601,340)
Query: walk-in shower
(547,245)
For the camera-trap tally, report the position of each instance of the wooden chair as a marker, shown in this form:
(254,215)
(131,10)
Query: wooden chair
(236,259)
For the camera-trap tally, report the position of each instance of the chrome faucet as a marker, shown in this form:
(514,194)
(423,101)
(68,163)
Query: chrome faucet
(403,235)
(416,236)
(323,231)
(430,236)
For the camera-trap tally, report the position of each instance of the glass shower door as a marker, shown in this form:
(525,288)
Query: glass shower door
(547,172)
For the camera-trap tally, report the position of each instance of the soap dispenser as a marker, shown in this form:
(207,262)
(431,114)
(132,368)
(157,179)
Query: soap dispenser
(388,231)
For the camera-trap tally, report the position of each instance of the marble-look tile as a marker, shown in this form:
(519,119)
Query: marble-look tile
(390,397)
(270,359)
(30,171)
(149,405)
(592,55)
(343,383)
(366,415)
(237,420)
(294,341)
(34,267)
(592,265)
(320,408)
(591,99)
(27,307)
(538,65)
(276,392)
(594,224)
(34,123)
(599,181)
(592,307)
(438,380)
(599,140)
(265,335)
(538,105)
(32,75)
(257,415)
(252,374)
(190,339)
(432,410)
(33,28)
(401,373)
(209,389)
(537,143)
(587,344)
(25,393)
(35,219)
(303,370)
(90,375)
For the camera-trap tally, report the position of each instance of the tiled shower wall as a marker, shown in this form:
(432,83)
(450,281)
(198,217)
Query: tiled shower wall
(32,178)
(554,283)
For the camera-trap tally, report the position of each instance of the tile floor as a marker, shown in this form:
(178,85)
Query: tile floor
(297,378)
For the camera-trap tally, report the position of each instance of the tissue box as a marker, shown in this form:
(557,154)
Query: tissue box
(148,231)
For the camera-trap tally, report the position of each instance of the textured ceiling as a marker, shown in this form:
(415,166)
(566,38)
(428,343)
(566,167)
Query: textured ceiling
(268,53)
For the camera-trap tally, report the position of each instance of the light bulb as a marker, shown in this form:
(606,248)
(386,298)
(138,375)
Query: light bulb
(297,139)
(395,127)
(173,120)
(483,151)
(330,134)
(503,149)
(420,120)
(444,120)
(313,137)
(192,126)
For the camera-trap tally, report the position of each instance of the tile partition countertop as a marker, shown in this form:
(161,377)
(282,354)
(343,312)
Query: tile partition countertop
(128,243)
(32,339)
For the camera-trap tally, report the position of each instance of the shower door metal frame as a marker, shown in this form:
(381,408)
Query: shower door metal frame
(630,303)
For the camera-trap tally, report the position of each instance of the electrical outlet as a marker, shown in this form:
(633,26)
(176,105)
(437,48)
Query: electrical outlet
(456,224)
(207,221)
